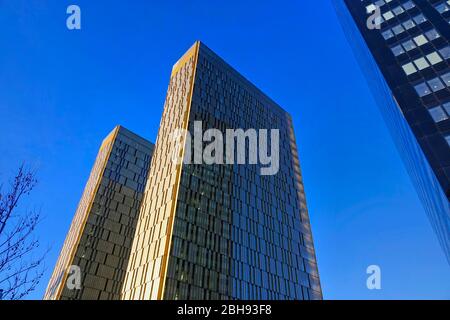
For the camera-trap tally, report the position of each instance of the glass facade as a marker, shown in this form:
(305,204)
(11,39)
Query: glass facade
(221,231)
(99,239)
(406,65)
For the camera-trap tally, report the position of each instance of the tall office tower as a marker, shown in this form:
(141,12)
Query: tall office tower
(403,48)
(221,231)
(95,253)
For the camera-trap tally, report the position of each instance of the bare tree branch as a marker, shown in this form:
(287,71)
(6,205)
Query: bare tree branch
(20,271)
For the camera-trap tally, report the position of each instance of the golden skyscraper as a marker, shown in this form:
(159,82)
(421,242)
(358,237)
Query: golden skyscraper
(99,239)
(221,231)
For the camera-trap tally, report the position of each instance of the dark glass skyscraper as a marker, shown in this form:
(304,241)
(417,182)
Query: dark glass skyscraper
(221,231)
(403,47)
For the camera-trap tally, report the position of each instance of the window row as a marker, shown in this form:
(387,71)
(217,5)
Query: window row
(402,27)
(388,15)
(436,84)
(417,41)
(422,63)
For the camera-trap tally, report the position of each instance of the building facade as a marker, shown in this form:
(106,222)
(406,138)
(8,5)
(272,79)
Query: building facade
(98,244)
(404,50)
(221,231)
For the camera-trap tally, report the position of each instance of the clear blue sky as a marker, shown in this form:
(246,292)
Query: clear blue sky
(62,91)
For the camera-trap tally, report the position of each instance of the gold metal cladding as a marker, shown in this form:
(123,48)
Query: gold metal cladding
(107,142)
(150,253)
(193,51)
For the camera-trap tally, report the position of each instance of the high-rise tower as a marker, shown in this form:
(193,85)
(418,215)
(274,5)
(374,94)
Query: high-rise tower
(221,231)
(98,244)
(403,47)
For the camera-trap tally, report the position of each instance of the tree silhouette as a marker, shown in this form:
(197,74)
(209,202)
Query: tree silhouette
(20,270)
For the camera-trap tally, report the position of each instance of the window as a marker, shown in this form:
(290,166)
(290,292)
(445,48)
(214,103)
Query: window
(387,34)
(438,114)
(408,5)
(435,84)
(409,24)
(422,89)
(432,34)
(447,107)
(421,63)
(409,45)
(397,50)
(434,58)
(420,19)
(371,8)
(445,52)
(398,10)
(442,7)
(388,15)
(446,79)
(420,40)
(409,69)
(398,29)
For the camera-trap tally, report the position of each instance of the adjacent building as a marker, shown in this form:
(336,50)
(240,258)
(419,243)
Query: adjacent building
(97,247)
(221,231)
(403,47)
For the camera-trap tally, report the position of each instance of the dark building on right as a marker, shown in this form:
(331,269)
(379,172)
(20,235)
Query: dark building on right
(404,50)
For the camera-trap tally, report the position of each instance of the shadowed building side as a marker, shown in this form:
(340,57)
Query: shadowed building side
(406,64)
